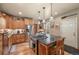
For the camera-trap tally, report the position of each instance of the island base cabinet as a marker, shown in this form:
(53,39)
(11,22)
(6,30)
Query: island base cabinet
(56,48)
(42,49)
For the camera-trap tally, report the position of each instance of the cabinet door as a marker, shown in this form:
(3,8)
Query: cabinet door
(17,39)
(23,38)
(18,24)
(14,24)
(1,44)
(30,21)
(43,49)
(10,23)
(0,47)
(26,21)
(21,24)
(14,38)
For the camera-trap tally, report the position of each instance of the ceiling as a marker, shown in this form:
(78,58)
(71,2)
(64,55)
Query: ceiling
(31,9)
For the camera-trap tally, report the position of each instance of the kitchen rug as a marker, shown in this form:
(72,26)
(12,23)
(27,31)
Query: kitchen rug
(71,50)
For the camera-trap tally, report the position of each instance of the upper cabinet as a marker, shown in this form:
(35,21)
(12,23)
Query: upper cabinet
(28,21)
(18,24)
(5,21)
(2,23)
(11,22)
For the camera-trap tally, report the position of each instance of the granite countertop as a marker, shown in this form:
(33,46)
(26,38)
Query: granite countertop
(45,40)
(11,34)
(50,40)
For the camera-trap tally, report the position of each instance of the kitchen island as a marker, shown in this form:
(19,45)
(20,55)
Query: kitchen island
(44,45)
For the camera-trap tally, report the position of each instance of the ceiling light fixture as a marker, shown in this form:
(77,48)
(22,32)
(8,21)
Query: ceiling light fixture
(51,17)
(19,13)
(39,17)
(43,14)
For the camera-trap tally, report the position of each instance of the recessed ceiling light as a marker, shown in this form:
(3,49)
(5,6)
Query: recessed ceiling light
(56,13)
(19,13)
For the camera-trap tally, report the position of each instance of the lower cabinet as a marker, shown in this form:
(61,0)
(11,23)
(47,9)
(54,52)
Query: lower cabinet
(1,44)
(4,48)
(18,38)
(43,49)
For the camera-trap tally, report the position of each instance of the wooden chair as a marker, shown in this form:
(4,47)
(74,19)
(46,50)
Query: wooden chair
(58,49)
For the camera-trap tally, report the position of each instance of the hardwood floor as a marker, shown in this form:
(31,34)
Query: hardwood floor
(23,49)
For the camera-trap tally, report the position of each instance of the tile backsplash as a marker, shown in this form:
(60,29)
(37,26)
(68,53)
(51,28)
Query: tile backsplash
(15,31)
(18,31)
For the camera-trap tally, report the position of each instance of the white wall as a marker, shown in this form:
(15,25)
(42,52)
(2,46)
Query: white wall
(78,30)
(58,19)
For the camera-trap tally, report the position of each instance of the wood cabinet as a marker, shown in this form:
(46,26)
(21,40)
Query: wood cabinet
(6,20)
(43,49)
(4,47)
(55,48)
(18,24)
(18,38)
(1,44)
(28,21)
(6,44)
(15,22)
(10,23)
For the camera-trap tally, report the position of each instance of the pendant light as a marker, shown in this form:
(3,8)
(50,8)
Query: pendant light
(51,17)
(39,18)
(43,15)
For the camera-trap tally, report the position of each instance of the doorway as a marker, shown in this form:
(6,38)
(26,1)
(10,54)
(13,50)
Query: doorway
(68,30)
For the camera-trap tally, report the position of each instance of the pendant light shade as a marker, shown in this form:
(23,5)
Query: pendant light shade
(39,17)
(51,17)
(51,9)
(43,14)
(42,20)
